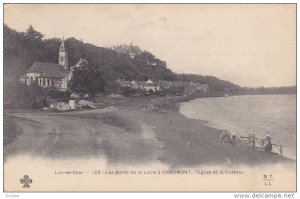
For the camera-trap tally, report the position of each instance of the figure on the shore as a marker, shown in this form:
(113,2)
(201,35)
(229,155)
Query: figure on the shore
(268,146)
(227,138)
(251,138)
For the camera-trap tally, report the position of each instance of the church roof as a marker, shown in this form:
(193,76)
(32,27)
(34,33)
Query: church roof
(48,70)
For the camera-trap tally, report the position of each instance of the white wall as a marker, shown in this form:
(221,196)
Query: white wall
(33,75)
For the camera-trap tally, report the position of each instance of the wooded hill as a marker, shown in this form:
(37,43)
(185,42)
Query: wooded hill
(22,49)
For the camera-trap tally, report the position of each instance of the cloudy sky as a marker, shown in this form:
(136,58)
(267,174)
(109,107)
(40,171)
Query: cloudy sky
(250,45)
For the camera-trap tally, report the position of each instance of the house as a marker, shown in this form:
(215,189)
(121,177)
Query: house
(80,63)
(150,85)
(203,88)
(130,50)
(191,88)
(136,85)
(50,74)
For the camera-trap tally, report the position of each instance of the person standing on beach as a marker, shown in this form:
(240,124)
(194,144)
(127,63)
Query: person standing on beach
(268,146)
(251,138)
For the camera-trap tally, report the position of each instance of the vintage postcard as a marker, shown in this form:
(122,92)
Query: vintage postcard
(149,97)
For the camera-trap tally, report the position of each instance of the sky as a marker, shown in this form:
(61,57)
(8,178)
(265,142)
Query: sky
(250,45)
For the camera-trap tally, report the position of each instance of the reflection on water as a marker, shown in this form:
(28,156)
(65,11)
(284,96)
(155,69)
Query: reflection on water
(267,114)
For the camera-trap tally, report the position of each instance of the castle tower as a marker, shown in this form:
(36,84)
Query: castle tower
(63,56)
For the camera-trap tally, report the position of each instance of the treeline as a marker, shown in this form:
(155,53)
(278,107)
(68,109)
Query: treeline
(215,84)
(22,49)
(268,91)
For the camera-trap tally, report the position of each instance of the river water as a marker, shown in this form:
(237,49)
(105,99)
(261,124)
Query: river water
(266,114)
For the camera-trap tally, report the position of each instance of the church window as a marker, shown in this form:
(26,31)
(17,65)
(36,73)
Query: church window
(48,82)
(44,82)
(31,79)
(61,59)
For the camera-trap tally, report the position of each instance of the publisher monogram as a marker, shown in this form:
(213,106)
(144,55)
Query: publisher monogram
(26,181)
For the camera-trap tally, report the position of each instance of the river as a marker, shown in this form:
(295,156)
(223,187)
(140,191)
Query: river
(266,114)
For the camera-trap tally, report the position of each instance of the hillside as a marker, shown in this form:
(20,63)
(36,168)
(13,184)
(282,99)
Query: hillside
(215,84)
(22,49)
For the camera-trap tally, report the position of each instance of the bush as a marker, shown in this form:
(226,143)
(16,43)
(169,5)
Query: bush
(27,97)
(60,96)
(175,90)
(127,91)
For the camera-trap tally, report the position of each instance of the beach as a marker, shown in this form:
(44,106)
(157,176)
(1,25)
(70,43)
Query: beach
(126,132)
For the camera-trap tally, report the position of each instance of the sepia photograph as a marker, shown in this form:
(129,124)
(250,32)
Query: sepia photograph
(149,97)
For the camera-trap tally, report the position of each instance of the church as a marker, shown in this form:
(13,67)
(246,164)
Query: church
(51,75)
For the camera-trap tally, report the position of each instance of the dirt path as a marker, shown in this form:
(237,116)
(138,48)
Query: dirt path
(127,136)
(84,135)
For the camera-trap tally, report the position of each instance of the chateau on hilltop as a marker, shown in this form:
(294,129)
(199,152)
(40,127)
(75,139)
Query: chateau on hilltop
(50,74)
(130,50)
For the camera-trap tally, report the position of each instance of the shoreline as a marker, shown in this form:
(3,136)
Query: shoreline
(161,135)
(215,120)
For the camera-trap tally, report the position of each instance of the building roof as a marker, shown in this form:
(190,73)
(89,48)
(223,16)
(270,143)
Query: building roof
(127,49)
(48,70)
(149,81)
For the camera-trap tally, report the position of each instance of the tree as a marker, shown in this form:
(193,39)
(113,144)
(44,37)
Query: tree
(87,79)
(32,34)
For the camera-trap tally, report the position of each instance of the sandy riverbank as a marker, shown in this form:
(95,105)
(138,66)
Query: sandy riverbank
(125,138)
(127,134)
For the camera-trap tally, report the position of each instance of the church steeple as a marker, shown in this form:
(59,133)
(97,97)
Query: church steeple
(63,56)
